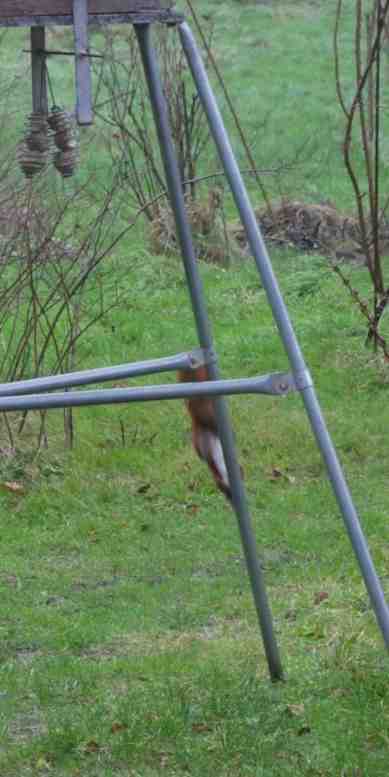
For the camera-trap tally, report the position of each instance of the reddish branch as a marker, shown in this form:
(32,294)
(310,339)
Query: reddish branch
(368,77)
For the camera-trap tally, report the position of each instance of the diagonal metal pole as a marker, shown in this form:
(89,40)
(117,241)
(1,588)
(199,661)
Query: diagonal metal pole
(301,375)
(184,234)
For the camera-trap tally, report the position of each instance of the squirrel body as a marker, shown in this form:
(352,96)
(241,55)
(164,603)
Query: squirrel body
(205,436)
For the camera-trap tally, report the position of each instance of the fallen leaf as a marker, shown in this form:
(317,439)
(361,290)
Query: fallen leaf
(201,728)
(92,746)
(192,508)
(15,486)
(116,728)
(294,710)
(276,474)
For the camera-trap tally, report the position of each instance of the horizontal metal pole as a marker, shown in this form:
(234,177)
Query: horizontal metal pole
(274,384)
(181,361)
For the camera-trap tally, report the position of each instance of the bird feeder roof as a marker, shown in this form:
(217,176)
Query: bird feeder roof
(58,12)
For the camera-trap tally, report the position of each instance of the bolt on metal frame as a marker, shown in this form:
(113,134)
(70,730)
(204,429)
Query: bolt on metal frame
(30,394)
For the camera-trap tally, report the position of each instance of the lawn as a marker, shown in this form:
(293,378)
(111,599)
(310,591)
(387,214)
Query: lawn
(129,641)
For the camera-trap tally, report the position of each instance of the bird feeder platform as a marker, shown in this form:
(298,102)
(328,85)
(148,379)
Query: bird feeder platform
(35,13)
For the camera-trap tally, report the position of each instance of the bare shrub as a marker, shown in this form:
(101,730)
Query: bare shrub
(124,107)
(54,260)
(363,148)
(215,241)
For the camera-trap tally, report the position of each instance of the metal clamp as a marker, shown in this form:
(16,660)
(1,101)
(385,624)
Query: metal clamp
(283,383)
(201,357)
(303,380)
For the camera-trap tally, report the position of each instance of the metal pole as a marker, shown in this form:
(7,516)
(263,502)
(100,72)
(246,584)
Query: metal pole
(301,375)
(204,332)
(267,384)
(182,361)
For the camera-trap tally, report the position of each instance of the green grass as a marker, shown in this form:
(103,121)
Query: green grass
(128,638)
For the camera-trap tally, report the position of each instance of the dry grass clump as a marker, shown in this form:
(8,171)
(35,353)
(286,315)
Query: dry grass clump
(309,227)
(305,226)
(213,239)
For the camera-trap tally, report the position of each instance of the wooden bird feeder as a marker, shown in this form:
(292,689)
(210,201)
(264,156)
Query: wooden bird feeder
(37,14)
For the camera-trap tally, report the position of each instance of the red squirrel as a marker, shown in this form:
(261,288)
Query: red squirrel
(205,436)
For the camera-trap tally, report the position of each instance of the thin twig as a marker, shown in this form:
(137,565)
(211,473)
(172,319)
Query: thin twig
(363,307)
(230,104)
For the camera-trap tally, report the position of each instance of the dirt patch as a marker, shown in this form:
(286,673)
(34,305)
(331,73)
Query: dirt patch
(140,644)
(27,725)
(26,654)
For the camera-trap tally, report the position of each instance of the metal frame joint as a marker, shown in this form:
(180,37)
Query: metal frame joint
(202,357)
(283,383)
(303,380)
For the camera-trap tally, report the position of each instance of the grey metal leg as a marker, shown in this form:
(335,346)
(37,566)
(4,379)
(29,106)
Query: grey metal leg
(204,332)
(280,313)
